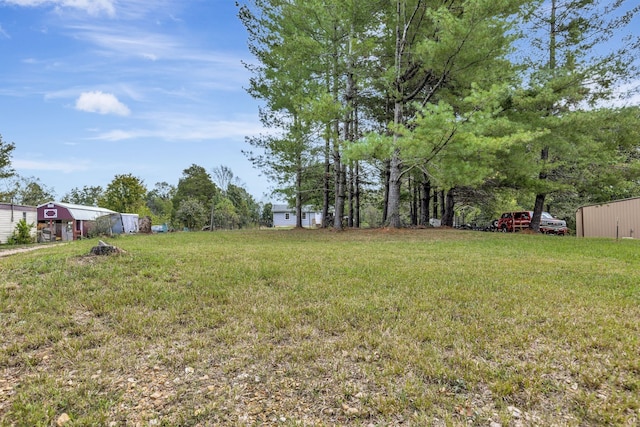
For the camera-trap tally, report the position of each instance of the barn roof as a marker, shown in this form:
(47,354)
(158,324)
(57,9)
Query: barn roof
(80,212)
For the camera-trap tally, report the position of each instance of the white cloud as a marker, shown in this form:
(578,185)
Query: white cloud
(93,7)
(103,103)
(45,165)
(175,127)
(121,9)
(3,33)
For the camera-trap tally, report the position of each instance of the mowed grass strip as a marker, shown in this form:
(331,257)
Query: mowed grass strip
(311,327)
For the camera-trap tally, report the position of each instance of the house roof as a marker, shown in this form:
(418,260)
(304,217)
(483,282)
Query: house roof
(287,208)
(9,206)
(81,212)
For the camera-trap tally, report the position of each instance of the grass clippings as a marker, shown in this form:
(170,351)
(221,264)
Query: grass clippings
(378,327)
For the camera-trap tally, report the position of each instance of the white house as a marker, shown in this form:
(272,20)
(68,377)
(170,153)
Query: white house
(285,216)
(11,214)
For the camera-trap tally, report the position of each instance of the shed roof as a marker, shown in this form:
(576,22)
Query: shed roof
(611,202)
(81,212)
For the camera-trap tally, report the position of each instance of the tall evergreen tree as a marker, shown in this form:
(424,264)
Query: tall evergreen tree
(570,74)
(442,54)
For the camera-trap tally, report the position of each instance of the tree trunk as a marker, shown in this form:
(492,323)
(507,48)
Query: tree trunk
(435,203)
(387,178)
(339,189)
(415,196)
(356,217)
(544,154)
(351,184)
(425,197)
(299,194)
(447,217)
(326,182)
(393,208)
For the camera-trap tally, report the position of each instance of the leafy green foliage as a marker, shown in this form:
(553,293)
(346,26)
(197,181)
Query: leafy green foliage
(23,233)
(87,195)
(195,184)
(101,227)
(30,192)
(6,150)
(245,207)
(266,215)
(225,215)
(571,70)
(192,214)
(6,171)
(160,202)
(125,194)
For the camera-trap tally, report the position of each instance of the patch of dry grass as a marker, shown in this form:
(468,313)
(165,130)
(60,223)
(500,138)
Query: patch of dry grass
(379,327)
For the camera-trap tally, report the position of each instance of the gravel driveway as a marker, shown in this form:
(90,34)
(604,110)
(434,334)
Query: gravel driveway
(7,252)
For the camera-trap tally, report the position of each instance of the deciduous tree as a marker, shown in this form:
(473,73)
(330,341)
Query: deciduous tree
(87,195)
(30,191)
(6,171)
(196,184)
(192,213)
(160,201)
(125,194)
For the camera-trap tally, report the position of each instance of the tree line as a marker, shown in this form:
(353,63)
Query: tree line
(200,200)
(215,200)
(392,112)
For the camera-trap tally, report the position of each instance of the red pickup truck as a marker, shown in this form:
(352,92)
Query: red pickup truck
(521,220)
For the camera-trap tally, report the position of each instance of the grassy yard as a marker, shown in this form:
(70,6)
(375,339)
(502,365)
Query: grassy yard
(380,328)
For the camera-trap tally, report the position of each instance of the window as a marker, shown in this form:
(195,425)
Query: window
(286,216)
(304,215)
(24,216)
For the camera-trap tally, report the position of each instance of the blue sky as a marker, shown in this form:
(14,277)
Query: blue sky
(94,88)
(90,89)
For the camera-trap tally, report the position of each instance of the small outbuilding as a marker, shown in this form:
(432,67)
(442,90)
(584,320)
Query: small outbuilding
(616,219)
(66,221)
(285,216)
(11,214)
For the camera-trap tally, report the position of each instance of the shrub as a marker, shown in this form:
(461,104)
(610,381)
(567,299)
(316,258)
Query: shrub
(100,227)
(22,233)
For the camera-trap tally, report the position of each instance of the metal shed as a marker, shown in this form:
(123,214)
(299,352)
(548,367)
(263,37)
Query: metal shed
(616,219)
(66,221)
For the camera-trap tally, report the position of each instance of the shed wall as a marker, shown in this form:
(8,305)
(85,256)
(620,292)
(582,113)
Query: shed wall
(309,219)
(616,219)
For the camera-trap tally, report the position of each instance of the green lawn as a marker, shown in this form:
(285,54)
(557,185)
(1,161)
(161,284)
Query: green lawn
(381,327)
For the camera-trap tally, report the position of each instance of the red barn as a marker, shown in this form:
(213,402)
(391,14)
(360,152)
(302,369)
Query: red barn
(65,221)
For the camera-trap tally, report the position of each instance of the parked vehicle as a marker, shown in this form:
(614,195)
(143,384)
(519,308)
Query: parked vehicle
(521,220)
